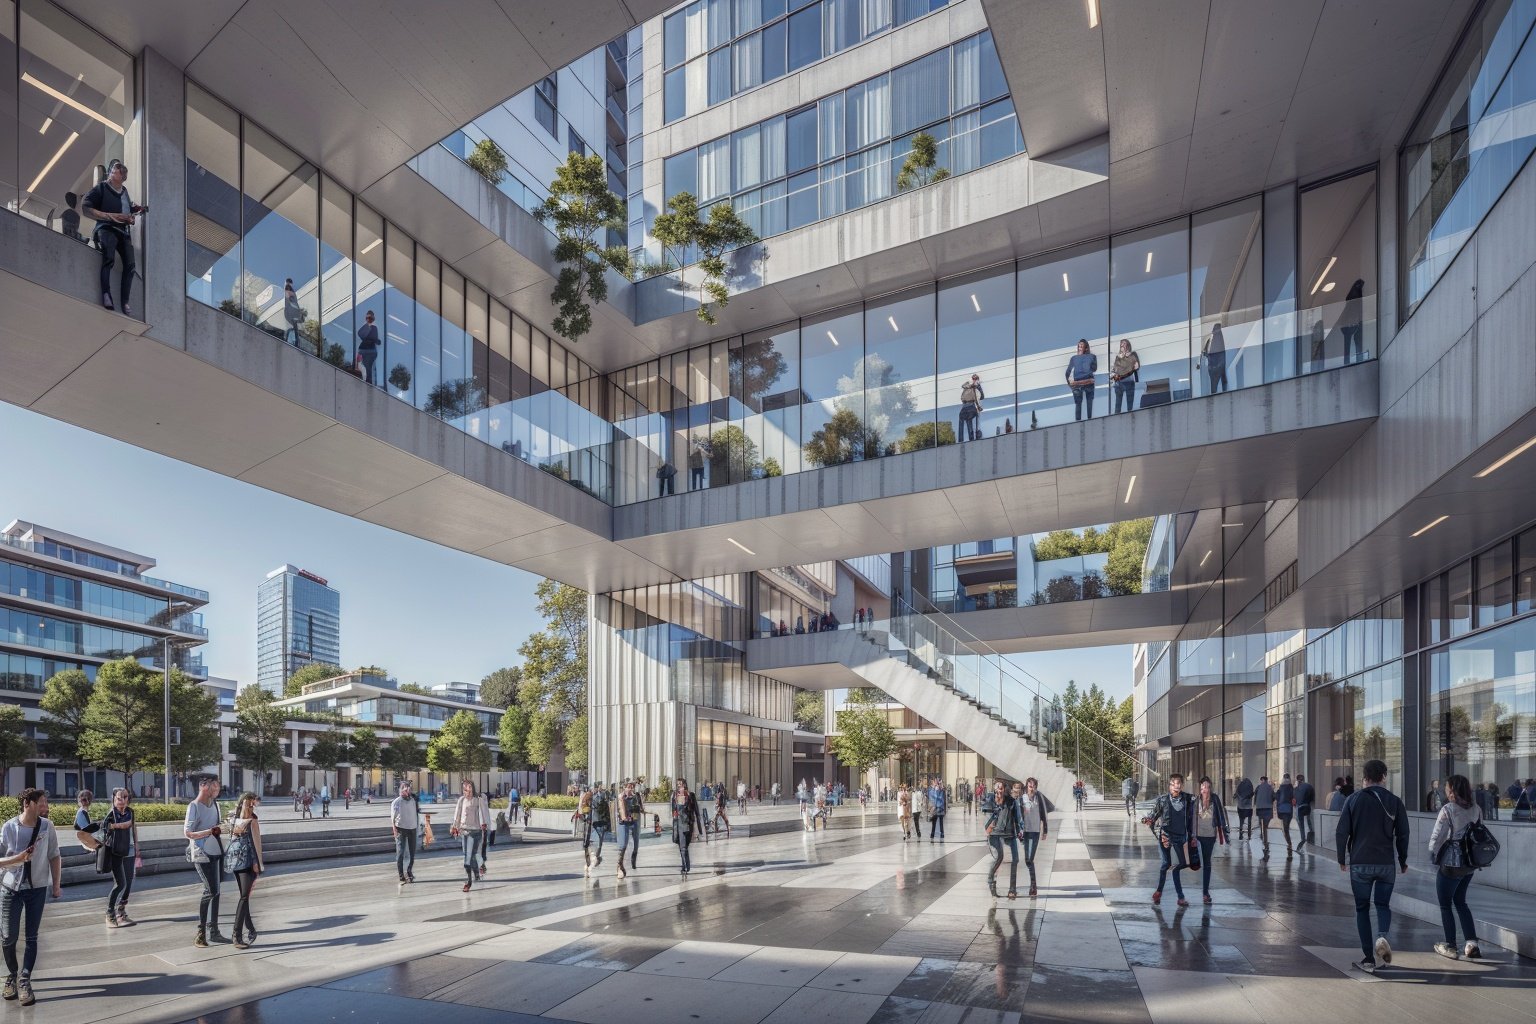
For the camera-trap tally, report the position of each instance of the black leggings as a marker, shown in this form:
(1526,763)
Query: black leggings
(243,881)
(122,882)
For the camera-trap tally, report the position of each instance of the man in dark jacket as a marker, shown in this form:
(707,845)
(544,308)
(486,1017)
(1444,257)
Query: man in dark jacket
(114,211)
(1372,834)
(1173,821)
(1305,794)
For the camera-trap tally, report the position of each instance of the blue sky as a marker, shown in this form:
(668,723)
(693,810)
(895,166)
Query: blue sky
(429,614)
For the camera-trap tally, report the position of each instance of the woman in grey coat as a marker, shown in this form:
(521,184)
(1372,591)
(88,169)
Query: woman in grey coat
(1453,879)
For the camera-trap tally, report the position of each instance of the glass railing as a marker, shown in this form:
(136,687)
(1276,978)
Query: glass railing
(105,564)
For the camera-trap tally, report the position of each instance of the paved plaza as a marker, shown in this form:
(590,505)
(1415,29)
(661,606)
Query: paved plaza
(850,925)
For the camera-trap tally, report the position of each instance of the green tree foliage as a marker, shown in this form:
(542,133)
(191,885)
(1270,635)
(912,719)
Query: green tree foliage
(458,748)
(582,210)
(865,737)
(920,168)
(684,229)
(554,685)
(403,756)
(1128,543)
(416,688)
(499,689)
(328,750)
(122,719)
(311,673)
(1092,715)
(543,737)
(576,744)
(754,369)
(455,399)
(364,746)
(14,745)
(771,467)
(258,739)
(195,713)
(840,439)
(400,377)
(371,670)
(926,435)
(488,160)
(512,737)
(66,696)
(676,229)
(731,453)
(810,710)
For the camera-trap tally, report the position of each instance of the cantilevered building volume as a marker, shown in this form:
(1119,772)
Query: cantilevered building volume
(1245,290)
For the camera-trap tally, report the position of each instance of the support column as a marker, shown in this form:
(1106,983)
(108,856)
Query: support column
(159,149)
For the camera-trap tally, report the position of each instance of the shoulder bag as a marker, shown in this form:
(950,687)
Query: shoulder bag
(21,870)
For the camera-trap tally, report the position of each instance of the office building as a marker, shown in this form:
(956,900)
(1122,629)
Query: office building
(1292,244)
(68,602)
(298,622)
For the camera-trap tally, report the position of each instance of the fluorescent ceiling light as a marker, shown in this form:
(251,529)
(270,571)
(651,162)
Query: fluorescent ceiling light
(1425,529)
(892,321)
(974,303)
(1207,557)
(833,337)
(47,123)
(371,246)
(1129,488)
(1149,261)
(49,165)
(69,101)
(1066,285)
(743,547)
(1229,526)
(1501,462)
(397,320)
(1093,13)
(1324,275)
(1328,287)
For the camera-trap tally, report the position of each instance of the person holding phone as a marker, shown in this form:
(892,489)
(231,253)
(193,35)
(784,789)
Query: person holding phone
(205,848)
(118,833)
(115,212)
(31,863)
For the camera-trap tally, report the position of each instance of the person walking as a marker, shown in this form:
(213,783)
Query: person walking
(741,797)
(1124,372)
(293,313)
(1336,800)
(971,396)
(938,806)
(1003,831)
(1214,352)
(1352,323)
(919,805)
(773,793)
(204,833)
(115,212)
(1080,370)
(1264,809)
(1129,787)
(325,800)
(469,821)
(368,346)
(1373,833)
(1285,808)
(685,822)
(720,815)
(695,468)
(404,821)
(32,863)
(245,860)
(1459,813)
(1079,795)
(597,821)
(631,814)
(118,831)
(1029,809)
(1306,793)
(1210,829)
(487,831)
(1172,820)
(904,811)
(1244,794)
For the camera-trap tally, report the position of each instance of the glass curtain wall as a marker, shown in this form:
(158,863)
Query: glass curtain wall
(1338,272)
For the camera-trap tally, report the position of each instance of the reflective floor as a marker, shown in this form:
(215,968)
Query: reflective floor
(859,926)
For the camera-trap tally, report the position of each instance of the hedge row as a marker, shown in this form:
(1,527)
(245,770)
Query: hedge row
(550,803)
(62,812)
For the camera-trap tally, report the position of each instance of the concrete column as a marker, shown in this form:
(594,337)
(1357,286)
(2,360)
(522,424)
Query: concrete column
(162,156)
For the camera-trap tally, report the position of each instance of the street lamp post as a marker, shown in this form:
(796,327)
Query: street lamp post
(166,790)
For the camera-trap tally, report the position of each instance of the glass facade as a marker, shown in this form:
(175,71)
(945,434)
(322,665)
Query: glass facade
(298,622)
(1468,144)
(846,149)
(36,584)
(715,49)
(31,673)
(66,107)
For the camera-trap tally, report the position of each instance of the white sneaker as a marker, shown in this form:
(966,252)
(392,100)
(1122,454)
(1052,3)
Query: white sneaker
(1368,966)
(1383,949)
(1447,950)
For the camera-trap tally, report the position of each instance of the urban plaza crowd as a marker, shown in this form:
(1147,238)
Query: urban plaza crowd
(1372,842)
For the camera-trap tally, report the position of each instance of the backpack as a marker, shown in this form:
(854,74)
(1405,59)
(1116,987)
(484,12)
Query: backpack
(968,394)
(599,808)
(241,855)
(1479,846)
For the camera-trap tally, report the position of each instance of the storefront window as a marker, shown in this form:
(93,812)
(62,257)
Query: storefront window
(1482,707)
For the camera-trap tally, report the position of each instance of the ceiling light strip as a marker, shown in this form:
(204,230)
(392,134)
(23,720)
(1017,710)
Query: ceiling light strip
(69,101)
(1425,529)
(1501,463)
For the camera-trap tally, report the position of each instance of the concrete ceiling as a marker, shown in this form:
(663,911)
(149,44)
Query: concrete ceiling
(361,86)
(1207,100)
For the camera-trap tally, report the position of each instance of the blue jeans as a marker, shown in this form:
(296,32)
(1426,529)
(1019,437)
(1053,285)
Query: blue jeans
(1125,391)
(1372,881)
(1176,859)
(629,832)
(1031,844)
(12,904)
(1452,891)
(936,823)
(471,843)
(405,852)
(996,842)
(1080,395)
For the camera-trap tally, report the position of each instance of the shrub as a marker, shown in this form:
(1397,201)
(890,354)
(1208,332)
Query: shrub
(662,791)
(62,811)
(550,803)
(488,160)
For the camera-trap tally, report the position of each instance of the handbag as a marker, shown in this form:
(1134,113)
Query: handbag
(103,860)
(21,870)
(1194,857)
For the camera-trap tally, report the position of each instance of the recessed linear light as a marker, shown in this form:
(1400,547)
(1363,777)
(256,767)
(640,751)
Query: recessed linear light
(1324,275)
(974,303)
(47,123)
(49,165)
(1502,462)
(371,246)
(1093,13)
(892,321)
(69,101)
(1207,557)
(833,337)
(1425,529)
(1230,526)
(1149,262)
(1066,285)
(743,547)
(1129,488)
(1328,287)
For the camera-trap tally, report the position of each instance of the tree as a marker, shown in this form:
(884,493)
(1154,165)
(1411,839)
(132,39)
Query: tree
(543,737)
(122,719)
(926,435)
(676,229)
(576,744)
(314,672)
(754,369)
(499,689)
(488,160)
(403,756)
(258,739)
(810,709)
(400,377)
(66,696)
(14,745)
(364,747)
(583,210)
(837,441)
(328,750)
(554,685)
(458,747)
(919,168)
(455,399)
(865,737)
(512,737)
(1127,544)
(732,454)
(194,714)
(682,229)
(371,670)
(415,688)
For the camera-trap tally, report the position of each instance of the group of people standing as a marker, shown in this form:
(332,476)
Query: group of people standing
(1289,800)
(914,802)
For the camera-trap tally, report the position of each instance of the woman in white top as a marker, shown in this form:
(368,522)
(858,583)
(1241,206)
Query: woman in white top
(469,820)
(246,863)
(904,811)
(919,806)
